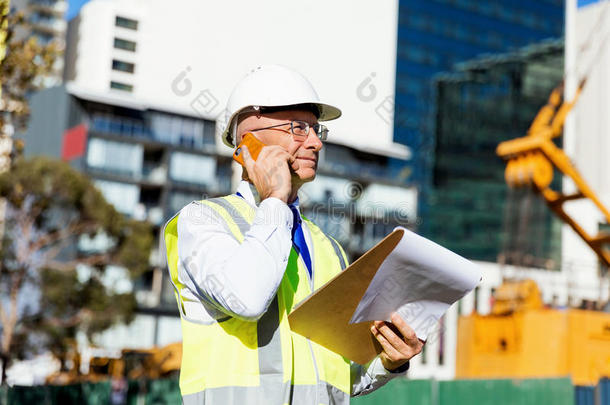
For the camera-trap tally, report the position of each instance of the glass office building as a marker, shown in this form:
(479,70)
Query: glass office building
(471,210)
(434,35)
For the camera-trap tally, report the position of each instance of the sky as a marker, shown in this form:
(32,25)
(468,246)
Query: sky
(73,7)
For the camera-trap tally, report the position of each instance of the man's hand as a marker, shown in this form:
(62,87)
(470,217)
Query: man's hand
(397,350)
(270,172)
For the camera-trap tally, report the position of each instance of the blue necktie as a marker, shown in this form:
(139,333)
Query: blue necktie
(298,238)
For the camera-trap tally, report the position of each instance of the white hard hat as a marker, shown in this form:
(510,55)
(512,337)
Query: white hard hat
(272,86)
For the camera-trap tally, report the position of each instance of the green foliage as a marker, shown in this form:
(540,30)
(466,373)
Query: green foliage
(50,207)
(23,68)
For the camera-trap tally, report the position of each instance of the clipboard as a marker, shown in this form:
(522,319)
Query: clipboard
(331,307)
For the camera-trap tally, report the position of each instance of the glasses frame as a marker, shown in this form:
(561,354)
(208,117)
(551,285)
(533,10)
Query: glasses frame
(320,130)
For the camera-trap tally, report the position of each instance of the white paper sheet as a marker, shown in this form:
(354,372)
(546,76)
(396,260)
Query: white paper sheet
(420,280)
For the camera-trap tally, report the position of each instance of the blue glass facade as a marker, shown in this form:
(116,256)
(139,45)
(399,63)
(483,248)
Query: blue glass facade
(453,133)
(434,35)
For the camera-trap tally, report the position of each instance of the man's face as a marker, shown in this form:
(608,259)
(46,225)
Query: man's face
(305,152)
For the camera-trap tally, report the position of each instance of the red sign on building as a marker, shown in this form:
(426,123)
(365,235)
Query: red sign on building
(74,142)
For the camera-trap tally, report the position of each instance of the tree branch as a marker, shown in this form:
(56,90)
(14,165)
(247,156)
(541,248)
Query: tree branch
(8,327)
(75,319)
(90,260)
(72,230)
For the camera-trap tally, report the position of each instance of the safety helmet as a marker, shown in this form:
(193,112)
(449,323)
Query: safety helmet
(272,86)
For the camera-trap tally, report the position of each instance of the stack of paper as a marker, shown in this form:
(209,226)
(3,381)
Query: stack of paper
(405,273)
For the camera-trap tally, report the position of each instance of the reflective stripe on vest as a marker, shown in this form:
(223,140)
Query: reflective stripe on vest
(297,394)
(235,361)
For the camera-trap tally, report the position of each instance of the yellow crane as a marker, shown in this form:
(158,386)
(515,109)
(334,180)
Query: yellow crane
(532,159)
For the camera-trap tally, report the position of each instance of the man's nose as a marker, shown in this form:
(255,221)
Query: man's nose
(312,141)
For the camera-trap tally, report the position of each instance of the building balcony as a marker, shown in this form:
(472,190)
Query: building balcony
(120,126)
(139,129)
(108,172)
(47,24)
(57,7)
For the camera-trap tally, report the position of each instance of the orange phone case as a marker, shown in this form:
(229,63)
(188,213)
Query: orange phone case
(254,147)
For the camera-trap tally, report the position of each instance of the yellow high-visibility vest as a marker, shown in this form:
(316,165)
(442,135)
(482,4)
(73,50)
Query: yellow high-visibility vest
(234,361)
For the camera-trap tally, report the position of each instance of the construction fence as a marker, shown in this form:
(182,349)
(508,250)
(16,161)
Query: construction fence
(135,392)
(559,391)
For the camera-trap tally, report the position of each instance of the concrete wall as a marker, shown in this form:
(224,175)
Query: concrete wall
(586,139)
(48,121)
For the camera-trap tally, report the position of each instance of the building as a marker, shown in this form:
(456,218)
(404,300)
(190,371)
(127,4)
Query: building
(435,35)
(471,210)
(44,20)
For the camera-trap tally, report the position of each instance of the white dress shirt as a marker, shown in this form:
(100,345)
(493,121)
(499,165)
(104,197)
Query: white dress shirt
(227,278)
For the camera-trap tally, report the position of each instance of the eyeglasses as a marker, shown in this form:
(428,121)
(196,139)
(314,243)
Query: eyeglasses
(300,130)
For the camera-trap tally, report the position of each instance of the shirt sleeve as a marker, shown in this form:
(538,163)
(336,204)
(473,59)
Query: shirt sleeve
(366,379)
(228,277)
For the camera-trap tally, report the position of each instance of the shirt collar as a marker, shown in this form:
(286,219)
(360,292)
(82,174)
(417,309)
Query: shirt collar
(250,194)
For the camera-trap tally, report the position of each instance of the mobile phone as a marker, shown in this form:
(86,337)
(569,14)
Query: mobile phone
(254,147)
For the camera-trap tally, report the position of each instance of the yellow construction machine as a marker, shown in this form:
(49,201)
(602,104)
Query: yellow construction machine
(157,362)
(523,339)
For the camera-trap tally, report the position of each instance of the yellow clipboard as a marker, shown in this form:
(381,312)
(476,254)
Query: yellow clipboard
(324,316)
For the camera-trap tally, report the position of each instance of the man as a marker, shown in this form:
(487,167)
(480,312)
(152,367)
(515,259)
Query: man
(240,263)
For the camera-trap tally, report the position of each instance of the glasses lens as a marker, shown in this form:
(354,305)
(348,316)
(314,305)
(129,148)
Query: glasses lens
(321,131)
(300,128)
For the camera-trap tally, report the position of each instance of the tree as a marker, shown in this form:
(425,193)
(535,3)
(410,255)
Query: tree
(22,70)
(51,281)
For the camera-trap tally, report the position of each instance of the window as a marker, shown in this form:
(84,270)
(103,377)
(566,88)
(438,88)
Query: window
(124,44)
(123,66)
(121,86)
(179,130)
(192,168)
(126,23)
(113,124)
(123,196)
(115,157)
